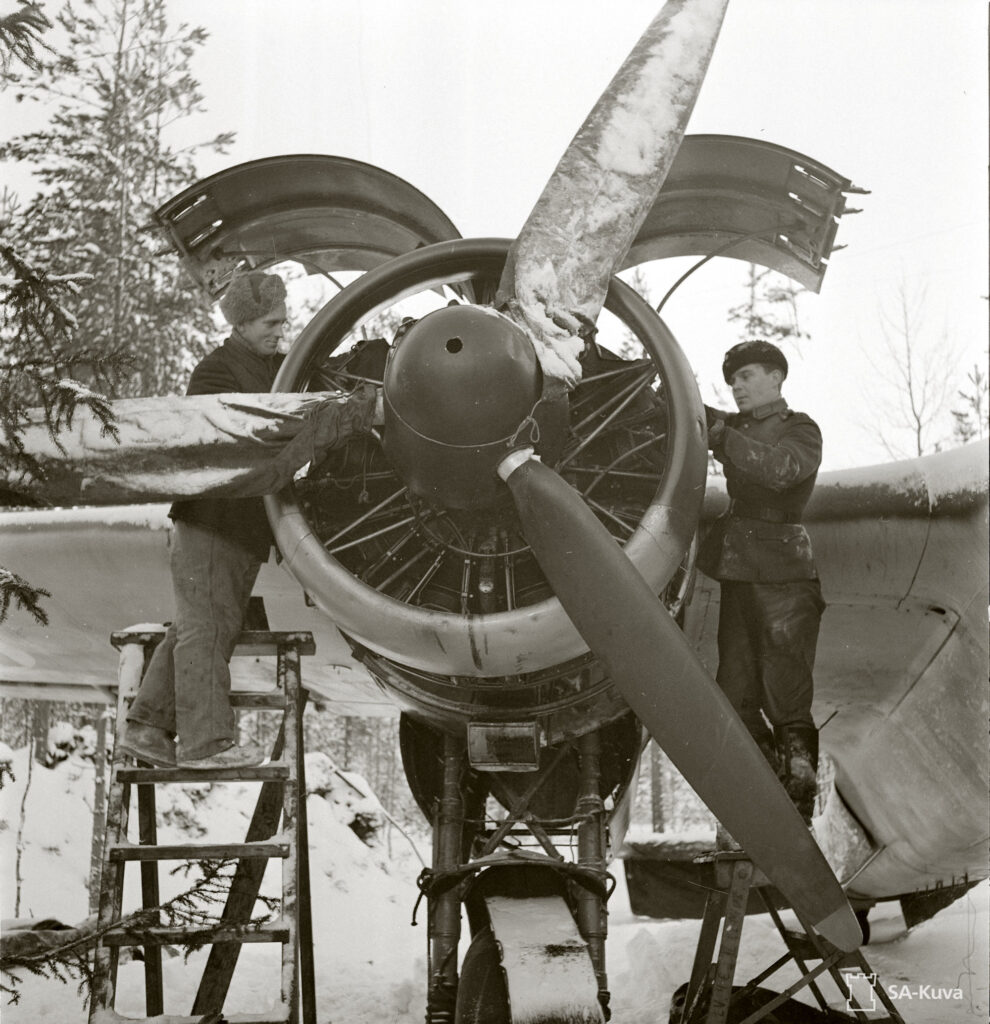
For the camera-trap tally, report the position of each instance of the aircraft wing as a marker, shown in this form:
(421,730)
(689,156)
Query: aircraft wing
(107,570)
(901,671)
(900,678)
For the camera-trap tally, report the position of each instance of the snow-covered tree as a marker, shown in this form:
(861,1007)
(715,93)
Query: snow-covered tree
(87,309)
(104,161)
(972,415)
(770,312)
(21,36)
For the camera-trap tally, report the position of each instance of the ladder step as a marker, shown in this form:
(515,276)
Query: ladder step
(271,931)
(277,771)
(250,643)
(801,945)
(271,699)
(278,1015)
(187,851)
(263,643)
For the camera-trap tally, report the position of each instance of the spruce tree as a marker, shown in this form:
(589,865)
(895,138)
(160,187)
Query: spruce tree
(770,312)
(105,161)
(88,309)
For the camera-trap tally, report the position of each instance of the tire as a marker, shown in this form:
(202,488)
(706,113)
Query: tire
(482,995)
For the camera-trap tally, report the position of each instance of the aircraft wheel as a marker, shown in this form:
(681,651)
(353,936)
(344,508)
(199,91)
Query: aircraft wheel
(482,995)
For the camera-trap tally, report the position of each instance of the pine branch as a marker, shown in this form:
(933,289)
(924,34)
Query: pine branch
(15,588)
(20,37)
(195,908)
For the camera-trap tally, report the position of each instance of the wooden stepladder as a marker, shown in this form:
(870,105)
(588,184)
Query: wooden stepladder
(282,796)
(711,998)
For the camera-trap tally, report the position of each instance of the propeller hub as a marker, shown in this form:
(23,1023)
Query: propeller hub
(458,386)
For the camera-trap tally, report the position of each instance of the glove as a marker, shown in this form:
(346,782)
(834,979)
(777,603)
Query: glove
(715,421)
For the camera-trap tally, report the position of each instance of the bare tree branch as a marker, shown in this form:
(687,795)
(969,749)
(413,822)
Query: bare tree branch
(918,369)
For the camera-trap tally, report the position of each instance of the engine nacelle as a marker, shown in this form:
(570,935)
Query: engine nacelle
(416,552)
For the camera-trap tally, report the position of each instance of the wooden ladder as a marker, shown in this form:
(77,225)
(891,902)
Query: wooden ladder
(282,795)
(710,996)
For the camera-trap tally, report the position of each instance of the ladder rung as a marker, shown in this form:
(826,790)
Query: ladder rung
(256,643)
(270,931)
(273,699)
(801,945)
(276,771)
(187,851)
(278,1015)
(264,643)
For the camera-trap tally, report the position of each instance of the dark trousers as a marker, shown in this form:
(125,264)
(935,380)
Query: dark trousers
(767,635)
(187,686)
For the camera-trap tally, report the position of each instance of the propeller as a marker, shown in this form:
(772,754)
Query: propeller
(653,666)
(553,286)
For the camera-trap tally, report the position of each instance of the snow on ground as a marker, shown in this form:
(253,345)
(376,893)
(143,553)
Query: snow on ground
(370,964)
(649,959)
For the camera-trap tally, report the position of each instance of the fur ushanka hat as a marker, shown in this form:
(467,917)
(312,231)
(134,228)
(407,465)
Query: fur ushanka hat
(251,296)
(747,352)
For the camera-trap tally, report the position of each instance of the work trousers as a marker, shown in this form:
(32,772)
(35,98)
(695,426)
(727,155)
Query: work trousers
(767,635)
(186,689)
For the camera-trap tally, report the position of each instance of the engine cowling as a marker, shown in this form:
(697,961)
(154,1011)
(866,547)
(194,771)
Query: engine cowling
(437,588)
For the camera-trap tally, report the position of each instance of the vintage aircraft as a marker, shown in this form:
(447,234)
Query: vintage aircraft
(469,557)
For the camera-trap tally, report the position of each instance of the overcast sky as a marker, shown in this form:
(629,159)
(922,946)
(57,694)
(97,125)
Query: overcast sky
(473,103)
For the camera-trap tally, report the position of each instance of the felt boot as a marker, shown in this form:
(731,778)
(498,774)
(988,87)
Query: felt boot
(147,743)
(797,747)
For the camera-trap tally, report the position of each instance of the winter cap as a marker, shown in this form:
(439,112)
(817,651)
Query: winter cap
(251,296)
(747,352)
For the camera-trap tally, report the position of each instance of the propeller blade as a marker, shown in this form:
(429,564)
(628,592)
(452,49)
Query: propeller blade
(598,196)
(168,447)
(655,669)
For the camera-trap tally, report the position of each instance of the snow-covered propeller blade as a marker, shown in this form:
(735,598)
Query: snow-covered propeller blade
(605,184)
(163,448)
(652,665)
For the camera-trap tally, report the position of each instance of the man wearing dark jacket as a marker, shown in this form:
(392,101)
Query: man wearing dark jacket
(771,602)
(218,547)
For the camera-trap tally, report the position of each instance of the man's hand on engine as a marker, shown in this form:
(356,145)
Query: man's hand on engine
(715,421)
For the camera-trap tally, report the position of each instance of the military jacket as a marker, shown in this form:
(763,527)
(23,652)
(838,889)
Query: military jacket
(771,457)
(230,369)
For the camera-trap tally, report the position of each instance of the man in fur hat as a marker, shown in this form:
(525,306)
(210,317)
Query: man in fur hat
(771,602)
(182,713)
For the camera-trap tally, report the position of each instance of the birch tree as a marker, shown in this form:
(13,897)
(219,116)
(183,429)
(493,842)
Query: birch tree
(915,371)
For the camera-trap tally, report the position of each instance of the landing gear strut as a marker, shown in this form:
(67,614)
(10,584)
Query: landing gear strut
(511,867)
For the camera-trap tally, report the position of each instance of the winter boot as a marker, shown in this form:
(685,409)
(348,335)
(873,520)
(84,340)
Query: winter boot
(797,748)
(768,748)
(147,743)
